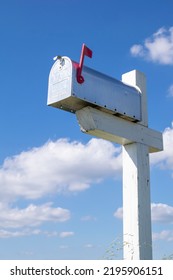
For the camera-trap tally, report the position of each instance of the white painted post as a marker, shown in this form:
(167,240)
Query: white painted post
(136,187)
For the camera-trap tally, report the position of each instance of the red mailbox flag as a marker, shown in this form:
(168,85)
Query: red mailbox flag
(85,51)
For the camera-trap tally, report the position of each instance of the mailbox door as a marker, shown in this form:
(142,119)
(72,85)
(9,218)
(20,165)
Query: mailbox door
(60,80)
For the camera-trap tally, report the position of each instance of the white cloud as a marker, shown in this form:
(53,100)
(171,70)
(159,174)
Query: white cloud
(9,233)
(137,50)
(89,246)
(63,247)
(65,234)
(57,167)
(54,168)
(119,213)
(163,235)
(170,91)
(164,159)
(88,218)
(51,233)
(161,213)
(19,233)
(31,216)
(157,48)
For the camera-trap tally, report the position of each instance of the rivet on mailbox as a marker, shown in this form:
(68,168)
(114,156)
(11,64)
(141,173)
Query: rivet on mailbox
(73,86)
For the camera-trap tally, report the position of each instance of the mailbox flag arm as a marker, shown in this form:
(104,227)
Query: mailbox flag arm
(85,51)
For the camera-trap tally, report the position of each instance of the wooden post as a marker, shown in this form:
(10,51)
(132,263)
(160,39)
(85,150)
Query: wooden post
(136,187)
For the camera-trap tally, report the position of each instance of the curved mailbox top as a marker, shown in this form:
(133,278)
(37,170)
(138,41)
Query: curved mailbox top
(98,90)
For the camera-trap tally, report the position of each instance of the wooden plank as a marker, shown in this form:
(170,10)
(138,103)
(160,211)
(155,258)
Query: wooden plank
(136,181)
(116,129)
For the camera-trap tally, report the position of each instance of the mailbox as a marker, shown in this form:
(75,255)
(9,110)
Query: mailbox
(96,90)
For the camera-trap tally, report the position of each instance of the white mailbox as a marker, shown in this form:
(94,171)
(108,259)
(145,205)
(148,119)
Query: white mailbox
(96,90)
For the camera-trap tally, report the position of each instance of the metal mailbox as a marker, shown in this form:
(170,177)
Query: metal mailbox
(98,90)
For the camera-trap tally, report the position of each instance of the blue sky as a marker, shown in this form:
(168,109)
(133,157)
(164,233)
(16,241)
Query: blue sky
(60,189)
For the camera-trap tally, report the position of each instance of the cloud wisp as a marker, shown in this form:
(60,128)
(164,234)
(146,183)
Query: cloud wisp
(32,216)
(8,233)
(157,48)
(163,235)
(170,91)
